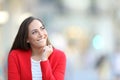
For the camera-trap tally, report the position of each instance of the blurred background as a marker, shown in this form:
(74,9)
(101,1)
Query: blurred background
(88,31)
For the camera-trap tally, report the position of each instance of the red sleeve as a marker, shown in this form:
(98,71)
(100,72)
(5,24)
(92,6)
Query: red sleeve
(13,72)
(59,71)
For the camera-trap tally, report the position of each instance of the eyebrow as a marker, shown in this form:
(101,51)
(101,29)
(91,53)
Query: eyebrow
(36,29)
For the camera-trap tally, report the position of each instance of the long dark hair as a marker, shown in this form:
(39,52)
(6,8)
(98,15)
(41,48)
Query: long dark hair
(20,41)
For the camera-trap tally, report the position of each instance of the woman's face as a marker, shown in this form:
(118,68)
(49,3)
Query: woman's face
(37,34)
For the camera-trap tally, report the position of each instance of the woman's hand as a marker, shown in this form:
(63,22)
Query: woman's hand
(47,50)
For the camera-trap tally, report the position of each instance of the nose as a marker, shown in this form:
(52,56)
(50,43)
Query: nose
(40,33)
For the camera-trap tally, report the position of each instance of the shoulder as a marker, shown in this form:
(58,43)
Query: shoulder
(58,54)
(18,52)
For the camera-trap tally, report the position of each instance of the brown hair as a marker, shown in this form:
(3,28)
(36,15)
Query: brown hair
(20,41)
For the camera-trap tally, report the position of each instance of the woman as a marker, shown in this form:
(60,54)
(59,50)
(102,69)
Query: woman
(32,57)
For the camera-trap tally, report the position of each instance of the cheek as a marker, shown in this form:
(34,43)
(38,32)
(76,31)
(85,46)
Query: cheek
(32,42)
(31,39)
(46,34)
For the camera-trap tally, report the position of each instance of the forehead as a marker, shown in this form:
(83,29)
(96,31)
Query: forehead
(35,24)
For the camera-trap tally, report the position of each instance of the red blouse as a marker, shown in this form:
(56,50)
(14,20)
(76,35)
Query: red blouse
(19,65)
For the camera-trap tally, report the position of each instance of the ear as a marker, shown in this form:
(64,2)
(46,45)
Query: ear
(28,41)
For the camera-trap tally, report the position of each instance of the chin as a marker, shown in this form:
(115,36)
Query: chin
(42,45)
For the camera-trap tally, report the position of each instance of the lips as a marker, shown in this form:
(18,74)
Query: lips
(41,40)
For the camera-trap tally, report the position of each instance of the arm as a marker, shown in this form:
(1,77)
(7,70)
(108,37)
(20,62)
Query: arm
(58,73)
(13,72)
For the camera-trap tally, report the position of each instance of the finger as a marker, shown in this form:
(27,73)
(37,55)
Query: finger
(50,46)
(46,47)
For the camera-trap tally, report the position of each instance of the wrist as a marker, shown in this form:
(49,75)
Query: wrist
(44,59)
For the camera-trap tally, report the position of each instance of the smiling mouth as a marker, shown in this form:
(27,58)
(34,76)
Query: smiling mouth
(41,39)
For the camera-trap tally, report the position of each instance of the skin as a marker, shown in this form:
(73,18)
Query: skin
(37,38)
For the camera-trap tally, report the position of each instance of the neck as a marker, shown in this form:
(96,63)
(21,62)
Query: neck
(37,53)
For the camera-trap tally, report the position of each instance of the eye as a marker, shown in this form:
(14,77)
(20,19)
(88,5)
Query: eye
(34,32)
(42,27)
